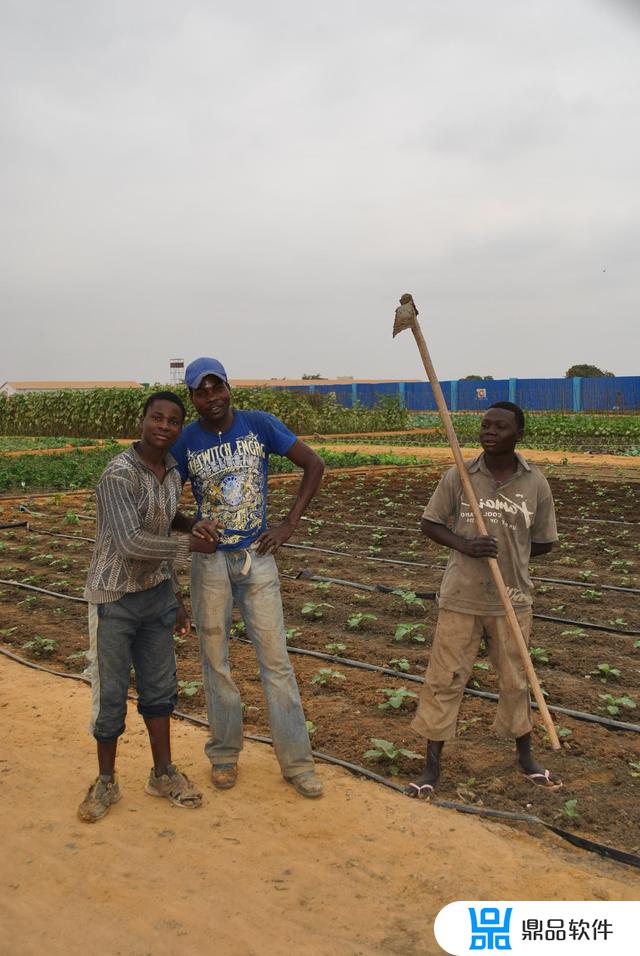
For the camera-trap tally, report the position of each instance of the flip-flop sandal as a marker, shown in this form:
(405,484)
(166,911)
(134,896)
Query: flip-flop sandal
(415,791)
(543,780)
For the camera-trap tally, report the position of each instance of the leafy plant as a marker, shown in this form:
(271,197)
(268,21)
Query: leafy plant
(314,609)
(570,810)
(41,646)
(539,655)
(388,751)
(613,704)
(409,600)
(358,619)
(606,672)
(397,697)
(411,631)
(188,688)
(326,676)
(335,647)
(399,664)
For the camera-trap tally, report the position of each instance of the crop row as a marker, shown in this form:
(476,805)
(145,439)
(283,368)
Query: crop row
(554,430)
(60,471)
(115,412)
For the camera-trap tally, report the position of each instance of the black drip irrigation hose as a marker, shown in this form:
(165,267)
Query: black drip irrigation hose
(431,595)
(363,665)
(471,691)
(565,582)
(608,852)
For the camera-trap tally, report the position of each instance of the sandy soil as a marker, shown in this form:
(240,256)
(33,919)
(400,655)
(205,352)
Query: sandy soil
(257,870)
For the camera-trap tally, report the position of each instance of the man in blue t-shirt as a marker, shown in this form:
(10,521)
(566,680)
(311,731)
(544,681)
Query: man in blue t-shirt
(225,455)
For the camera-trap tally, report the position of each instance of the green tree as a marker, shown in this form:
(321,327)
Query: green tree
(586,371)
(478,378)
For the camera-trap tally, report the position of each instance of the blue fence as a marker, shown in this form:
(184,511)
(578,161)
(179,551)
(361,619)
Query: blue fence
(602,394)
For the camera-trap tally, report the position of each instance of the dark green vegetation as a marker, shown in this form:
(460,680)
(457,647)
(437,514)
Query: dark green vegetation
(613,434)
(75,469)
(116,412)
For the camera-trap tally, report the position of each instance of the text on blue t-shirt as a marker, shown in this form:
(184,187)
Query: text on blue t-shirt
(228,472)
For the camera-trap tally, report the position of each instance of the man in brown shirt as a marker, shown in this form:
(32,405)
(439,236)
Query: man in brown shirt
(517,505)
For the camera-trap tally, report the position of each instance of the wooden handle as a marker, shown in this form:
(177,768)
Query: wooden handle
(482,528)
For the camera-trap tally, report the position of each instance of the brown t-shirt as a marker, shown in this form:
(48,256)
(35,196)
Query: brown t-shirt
(516,513)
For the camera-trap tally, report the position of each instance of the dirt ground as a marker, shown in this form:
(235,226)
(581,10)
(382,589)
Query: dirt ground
(257,870)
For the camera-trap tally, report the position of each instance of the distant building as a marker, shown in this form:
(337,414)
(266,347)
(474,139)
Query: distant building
(20,388)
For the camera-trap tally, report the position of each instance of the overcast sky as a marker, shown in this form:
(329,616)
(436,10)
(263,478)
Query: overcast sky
(260,181)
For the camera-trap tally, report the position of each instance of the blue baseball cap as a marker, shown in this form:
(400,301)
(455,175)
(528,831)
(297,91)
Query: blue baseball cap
(200,368)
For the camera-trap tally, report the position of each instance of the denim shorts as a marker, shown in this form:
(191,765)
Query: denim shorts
(137,630)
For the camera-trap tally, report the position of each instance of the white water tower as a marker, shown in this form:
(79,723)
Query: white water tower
(176,371)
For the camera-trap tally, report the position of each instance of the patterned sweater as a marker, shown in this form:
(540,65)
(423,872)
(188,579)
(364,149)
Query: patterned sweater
(134,511)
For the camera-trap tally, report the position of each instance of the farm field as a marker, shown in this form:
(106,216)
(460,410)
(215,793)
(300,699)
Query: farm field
(372,518)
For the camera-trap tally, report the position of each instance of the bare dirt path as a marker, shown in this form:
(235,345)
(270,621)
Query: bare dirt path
(257,871)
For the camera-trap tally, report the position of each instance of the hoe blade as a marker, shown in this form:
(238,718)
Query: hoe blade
(406,314)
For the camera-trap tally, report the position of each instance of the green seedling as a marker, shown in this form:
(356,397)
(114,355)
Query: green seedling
(357,620)
(41,646)
(574,632)
(635,768)
(399,664)
(411,631)
(29,601)
(539,655)
(292,633)
(409,600)
(71,518)
(613,704)
(311,727)
(589,594)
(605,672)
(314,610)
(569,809)
(335,647)
(636,645)
(624,566)
(465,725)
(397,697)
(561,731)
(619,622)
(327,676)
(388,751)
(188,688)
(584,575)
(81,656)
(323,586)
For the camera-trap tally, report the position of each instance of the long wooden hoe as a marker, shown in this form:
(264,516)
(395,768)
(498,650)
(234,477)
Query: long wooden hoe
(407,318)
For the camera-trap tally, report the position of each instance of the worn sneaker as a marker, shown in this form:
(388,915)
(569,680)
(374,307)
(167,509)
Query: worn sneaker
(224,775)
(307,784)
(101,796)
(175,786)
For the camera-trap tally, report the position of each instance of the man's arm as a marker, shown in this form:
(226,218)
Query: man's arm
(313,469)
(483,546)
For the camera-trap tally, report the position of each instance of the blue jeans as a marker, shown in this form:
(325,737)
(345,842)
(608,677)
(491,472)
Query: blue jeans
(138,630)
(216,582)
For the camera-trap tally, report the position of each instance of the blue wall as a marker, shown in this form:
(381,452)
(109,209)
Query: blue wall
(600,394)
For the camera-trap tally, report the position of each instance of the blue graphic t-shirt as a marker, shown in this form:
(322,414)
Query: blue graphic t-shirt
(228,472)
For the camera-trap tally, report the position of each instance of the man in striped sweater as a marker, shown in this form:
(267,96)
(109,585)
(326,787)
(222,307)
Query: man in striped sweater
(134,603)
